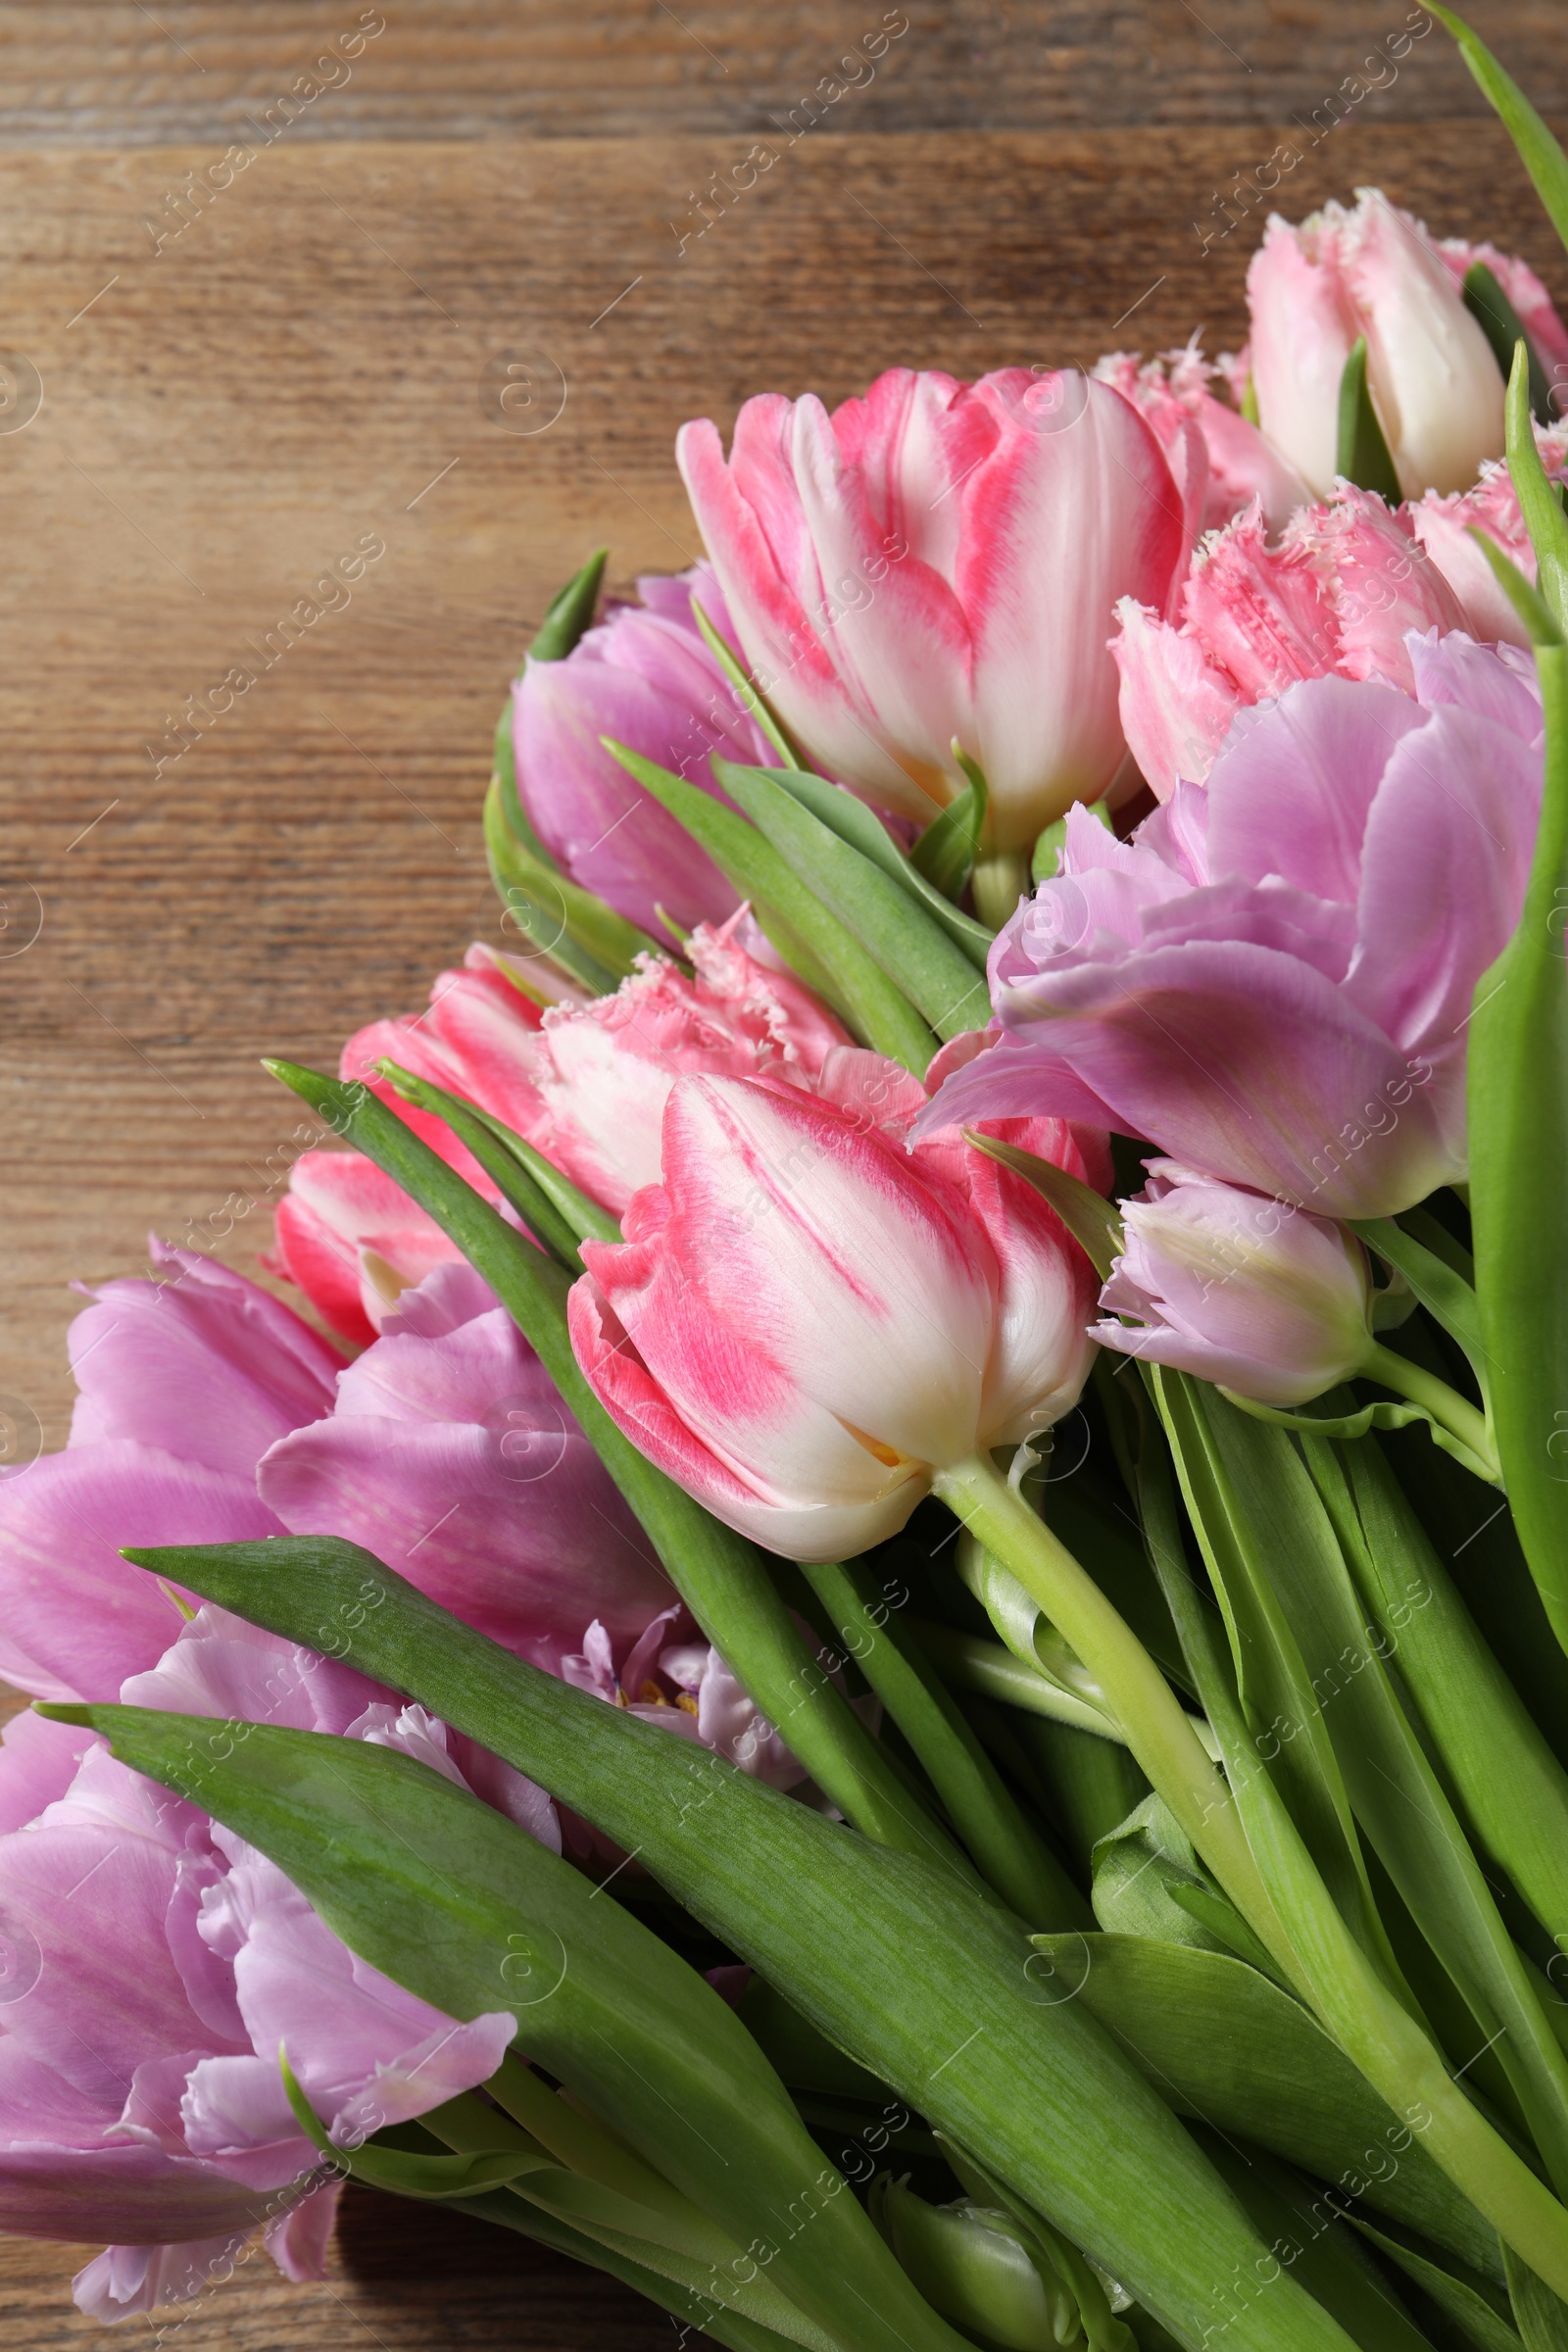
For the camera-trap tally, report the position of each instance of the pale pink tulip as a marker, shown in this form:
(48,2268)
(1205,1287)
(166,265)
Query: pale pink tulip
(1435,384)
(1339,594)
(804,1319)
(1242,1290)
(941,560)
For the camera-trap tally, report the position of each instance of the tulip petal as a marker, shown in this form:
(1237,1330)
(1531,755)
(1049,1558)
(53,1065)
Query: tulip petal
(73,1607)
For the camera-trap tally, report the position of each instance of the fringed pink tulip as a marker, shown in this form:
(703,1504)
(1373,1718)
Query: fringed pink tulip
(1271,982)
(805,1320)
(1339,593)
(1372,272)
(941,560)
(1231,465)
(645,677)
(1444,527)
(587,1084)
(1257,1296)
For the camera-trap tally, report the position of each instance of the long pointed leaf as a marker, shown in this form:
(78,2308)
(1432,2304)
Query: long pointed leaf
(1352,1996)
(1517,1086)
(455,1902)
(916,956)
(853,821)
(1231,2048)
(1398,1797)
(981,1807)
(896,1961)
(1538,151)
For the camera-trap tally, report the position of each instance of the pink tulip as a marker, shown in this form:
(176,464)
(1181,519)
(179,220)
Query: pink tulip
(587,1085)
(1270,981)
(1264,1300)
(352,1240)
(1340,594)
(1435,384)
(1229,464)
(645,677)
(450,1454)
(941,560)
(1444,527)
(805,1320)
(156,1964)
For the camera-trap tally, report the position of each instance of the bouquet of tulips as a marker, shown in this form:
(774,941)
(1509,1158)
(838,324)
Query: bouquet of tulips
(901,1675)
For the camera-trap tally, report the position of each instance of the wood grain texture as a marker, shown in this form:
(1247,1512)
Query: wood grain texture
(107,71)
(227,412)
(402,2277)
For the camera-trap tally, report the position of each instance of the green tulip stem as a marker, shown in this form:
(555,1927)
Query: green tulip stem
(1447,1406)
(1158,1729)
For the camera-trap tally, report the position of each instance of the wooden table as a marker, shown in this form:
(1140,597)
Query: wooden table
(236,390)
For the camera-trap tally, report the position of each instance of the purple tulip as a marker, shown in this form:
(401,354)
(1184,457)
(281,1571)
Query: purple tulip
(450,1454)
(154,1963)
(1260,1298)
(1270,981)
(181,1384)
(645,677)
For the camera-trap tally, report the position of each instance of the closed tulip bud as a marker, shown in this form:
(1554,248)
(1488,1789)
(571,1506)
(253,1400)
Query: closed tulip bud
(645,676)
(1315,290)
(935,562)
(805,1321)
(1247,1291)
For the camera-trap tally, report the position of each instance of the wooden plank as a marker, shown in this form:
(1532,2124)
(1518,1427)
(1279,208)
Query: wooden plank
(403,2278)
(205,70)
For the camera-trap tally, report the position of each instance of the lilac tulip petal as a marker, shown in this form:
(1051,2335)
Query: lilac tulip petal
(1291,792)
(1177,1044)
(88,1617)
(204,1365)
(511,1553)
(1451,831)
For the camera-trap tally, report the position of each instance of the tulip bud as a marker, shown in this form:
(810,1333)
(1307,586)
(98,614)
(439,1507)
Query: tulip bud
(937,564)
(1315,290)
(645,677)
(971,2264)
(1249,1292)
